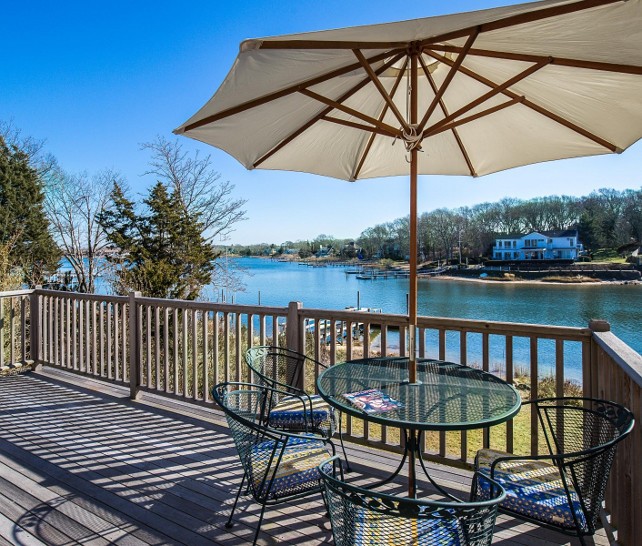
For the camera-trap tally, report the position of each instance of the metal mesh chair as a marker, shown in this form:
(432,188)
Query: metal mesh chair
(277,465)
(363,516)
(563,490)
(283,369)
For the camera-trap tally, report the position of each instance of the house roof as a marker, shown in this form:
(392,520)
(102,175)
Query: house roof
(552,233)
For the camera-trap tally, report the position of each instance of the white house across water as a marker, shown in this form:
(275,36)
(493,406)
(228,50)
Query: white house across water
(538,245)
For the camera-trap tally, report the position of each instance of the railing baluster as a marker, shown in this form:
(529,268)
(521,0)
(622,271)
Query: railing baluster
(206,367)
(23,329)
(215,352)
(238,345)
(366,339)
(195,354)
(101,330)
(559,368)
(94,336)
(87,363)
(148,345)
(226,342)
(166,347)
(110,372)
(486,367)
(333,341)
(185,351)
(68,332)
(57,359)
(262,330)
(45,330)
(509,379)
(534,395)
(124,327)
(116,343)
(175,347)
(463,359)
(157,348)
(12,330)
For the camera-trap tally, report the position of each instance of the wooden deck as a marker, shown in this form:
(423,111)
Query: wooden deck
(82,464)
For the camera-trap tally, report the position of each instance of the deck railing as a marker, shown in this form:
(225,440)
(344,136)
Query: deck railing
(181,349)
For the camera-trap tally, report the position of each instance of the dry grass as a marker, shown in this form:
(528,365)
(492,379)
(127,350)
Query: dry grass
(569,279)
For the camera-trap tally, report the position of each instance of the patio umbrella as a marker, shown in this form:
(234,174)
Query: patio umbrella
(464,94)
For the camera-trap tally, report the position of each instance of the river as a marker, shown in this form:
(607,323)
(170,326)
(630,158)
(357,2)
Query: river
(564,305)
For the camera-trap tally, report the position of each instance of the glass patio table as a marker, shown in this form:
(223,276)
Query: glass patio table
(446,397)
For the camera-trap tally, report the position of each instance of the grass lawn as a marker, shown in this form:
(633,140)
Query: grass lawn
(608,255)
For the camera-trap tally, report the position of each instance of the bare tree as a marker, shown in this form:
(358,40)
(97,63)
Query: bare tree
(73,204)
(199,186)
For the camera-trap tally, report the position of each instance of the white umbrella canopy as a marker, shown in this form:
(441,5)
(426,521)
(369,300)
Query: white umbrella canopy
(464,94)
(573,69)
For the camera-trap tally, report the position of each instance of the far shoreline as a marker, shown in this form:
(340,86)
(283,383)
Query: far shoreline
(598,282)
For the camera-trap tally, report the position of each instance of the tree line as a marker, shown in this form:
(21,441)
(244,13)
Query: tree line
(159,243)
(604,219)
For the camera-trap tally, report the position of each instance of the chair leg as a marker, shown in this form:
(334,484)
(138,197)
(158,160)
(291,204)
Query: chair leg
(238,494)
(343,447)
(258,527)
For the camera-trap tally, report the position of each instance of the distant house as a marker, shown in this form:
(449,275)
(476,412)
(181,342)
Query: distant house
(325,251)
(538,245)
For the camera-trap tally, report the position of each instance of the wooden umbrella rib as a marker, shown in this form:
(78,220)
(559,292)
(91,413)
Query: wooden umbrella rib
(493,92)
(287,91)
(382,90)
(521,19)
(561,61)
(350,111)
(325,111)
(449,77)
(483,113)
(533,106)
(366,151)
(392,134)
(444,109)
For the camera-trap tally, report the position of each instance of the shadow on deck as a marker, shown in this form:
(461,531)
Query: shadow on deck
(81,463)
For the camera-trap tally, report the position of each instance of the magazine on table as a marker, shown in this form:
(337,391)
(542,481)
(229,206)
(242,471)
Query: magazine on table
(373,401)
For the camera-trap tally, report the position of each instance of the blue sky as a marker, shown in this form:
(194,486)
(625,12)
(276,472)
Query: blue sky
(96,79)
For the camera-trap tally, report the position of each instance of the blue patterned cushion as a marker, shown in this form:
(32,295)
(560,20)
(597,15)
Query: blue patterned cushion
(533,488)
(376,528)
(297,469)
(290,412)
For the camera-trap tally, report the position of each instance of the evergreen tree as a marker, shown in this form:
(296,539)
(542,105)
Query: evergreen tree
(23,224)
(163,252)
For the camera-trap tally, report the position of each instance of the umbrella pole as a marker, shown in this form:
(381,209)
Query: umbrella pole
(412,304)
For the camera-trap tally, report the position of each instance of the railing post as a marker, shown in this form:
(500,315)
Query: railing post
(293,336)
(34,327)
(589,376)
(134,344)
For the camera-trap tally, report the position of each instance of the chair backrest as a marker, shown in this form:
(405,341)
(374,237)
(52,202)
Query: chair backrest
(364,516)
(244,405)
(260,448)
(279,367)
(586,432)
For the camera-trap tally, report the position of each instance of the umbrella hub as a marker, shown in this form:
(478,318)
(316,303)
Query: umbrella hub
(412,137)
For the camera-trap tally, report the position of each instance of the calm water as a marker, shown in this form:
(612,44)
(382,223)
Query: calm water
(330,288)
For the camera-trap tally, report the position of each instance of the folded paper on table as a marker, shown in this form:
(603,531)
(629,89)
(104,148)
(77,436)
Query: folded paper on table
(373,401)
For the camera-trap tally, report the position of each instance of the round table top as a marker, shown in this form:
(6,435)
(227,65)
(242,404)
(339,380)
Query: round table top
(448,396)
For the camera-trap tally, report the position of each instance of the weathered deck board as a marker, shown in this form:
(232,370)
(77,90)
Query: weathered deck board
(81,463)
